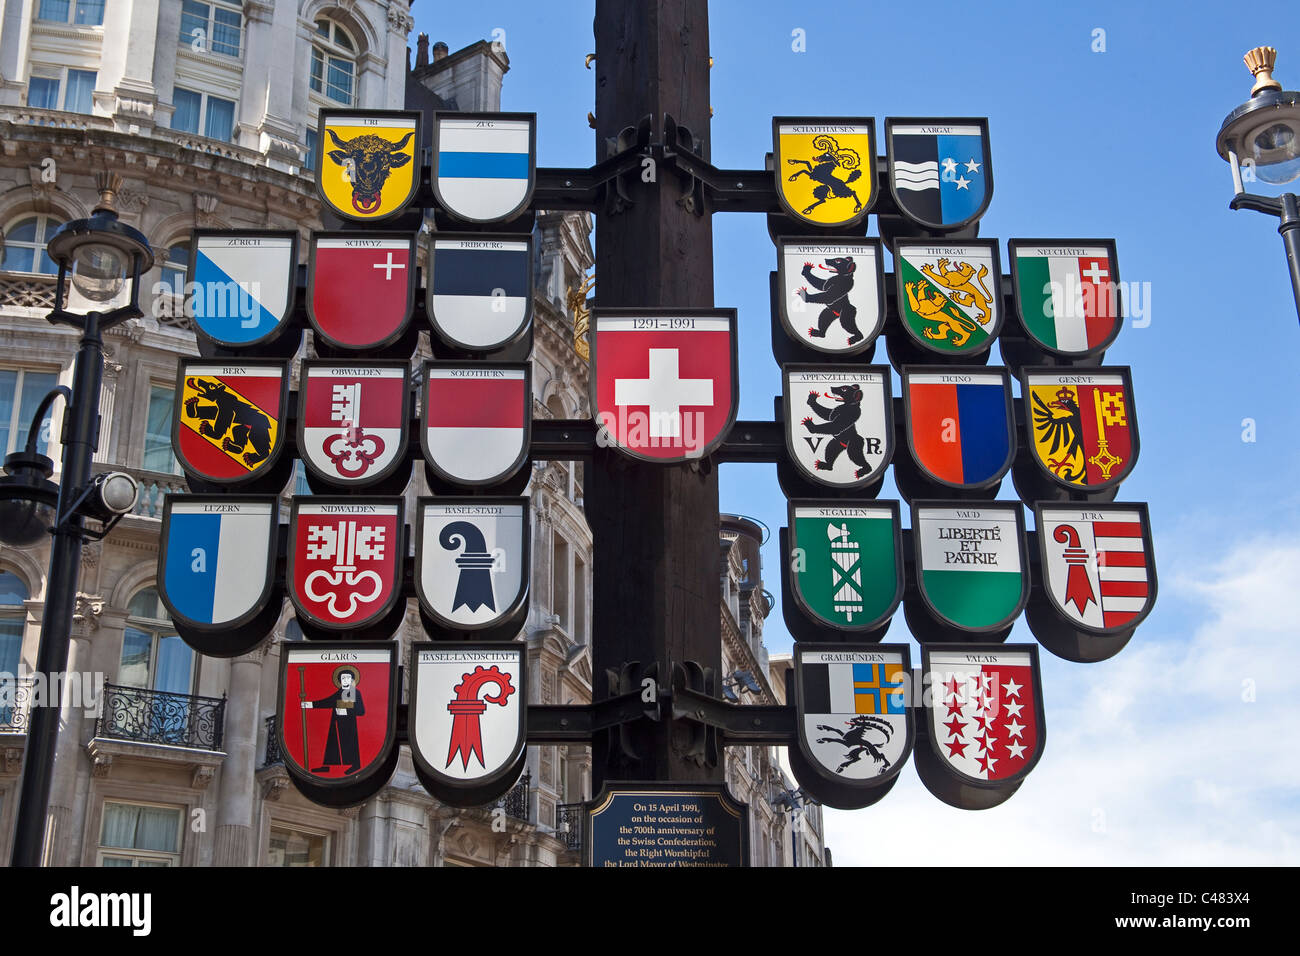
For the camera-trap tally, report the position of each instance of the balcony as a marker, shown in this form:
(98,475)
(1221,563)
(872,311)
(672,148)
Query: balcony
(568,825)
(15,705)
(158,717)
(515,802)
(28,290)
(155,486)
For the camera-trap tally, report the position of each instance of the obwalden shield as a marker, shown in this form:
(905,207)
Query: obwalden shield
(366,165)
(1081,426)
(1067,293)
(484,164)
(846,561)
(959,424)
(832,295)
(825,168)
(352,420)
(950,294)
(839,422)
(227,425)
(939,170)
(241,285)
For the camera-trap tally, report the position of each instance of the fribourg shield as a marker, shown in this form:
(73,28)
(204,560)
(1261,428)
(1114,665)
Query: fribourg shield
(825,168)
(366,162)
(227,425)
(477,420)
(971,564)
(846,562)
(1081,425)
(950,293)
(352,419)
(664,382)
(345,559)
(959,423)
(939,170)
(241,285)
(479,296)
(1067,293)
(472,561)
(832,295)
(484,164)
(360,287)
(839,422)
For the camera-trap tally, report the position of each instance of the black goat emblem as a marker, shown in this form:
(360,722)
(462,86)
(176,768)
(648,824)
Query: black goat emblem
(855,741)
(821,169)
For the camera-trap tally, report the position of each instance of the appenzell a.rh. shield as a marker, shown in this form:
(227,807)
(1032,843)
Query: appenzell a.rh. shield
(839,422)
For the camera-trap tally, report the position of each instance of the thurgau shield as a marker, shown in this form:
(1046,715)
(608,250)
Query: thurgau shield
(940,170)
(476,420)
(959,424)
(472,560)
(241,285)
(832,292)
(825,168)
(1081,426)
(228,421)
(352,420)
(949,293)
(1067,293)
(484,164)
(480,289)
(846,561)
(839,422)
(971,563)
(367,166)
(360,288)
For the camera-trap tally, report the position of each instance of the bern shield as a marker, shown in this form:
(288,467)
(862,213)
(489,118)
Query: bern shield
(228,421)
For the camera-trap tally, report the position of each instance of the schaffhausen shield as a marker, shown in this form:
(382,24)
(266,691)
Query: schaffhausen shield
(216,565)
(664,381)
(846,562)
(825,168)
(839,423)
(360,287)
(939,170)
(241,285)
(832,292)
(959,424)
(484,164)
(467,719)
(480,289)
(352,420)
(476,420)
(1067,293)
(949,293)
(366,162)
(1081,426)
(228,421)
(337,718)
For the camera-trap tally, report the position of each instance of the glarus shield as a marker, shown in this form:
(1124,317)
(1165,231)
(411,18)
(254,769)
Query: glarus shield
(367,166)
(825,168)
(484,164)
(241,285)
(939,170)
(832,292)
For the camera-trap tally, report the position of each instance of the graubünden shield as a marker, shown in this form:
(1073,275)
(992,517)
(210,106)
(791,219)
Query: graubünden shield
(1081,426)
(846,561)
(832,292)
(484,164)
(476,421)
(480,289)
(940,170)
(367,166)
(1067,293)
(959,424)
(241,285)
(664,382)
(949,293)
(971,563)
(839,422)
(472,560)
(352,420)
(360,287)
(825,168)
(227,424)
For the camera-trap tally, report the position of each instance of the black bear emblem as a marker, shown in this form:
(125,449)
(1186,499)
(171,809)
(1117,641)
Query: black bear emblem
(842,426)
(833,293)
(228,413)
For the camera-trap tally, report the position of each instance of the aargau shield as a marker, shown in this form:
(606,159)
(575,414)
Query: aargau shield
(1081,426)
(484,164)
(366,162)
(227,426)
(959,424)
(664,382)
(1067,293)
(360,288)
(477,419)
(939,170)
(949,293)
(825,168)
(832,292)
(839,422)
(241,285)
(846,561)
(480,289)
(352,420)
(471,566)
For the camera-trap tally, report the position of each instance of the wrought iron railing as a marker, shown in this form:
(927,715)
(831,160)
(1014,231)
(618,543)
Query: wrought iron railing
(272,755)
(158,717)
(28,290)
(568,824)
(15,705)
(515,801)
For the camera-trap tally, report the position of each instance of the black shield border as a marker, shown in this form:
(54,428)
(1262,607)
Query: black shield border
(868,340)
(179,400)
(1109,244)
(399,460)
(311,289)
(901,292)
(905,377)
(431,312)
(530,118)
(869,167)
(341,116)
(788,409)
(983,123)
(429,459)
(1125,373)
(286,320)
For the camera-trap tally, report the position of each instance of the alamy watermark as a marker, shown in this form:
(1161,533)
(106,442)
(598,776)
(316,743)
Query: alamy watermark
(21,692)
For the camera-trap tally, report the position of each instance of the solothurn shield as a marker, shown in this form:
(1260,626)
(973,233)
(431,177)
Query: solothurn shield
(1067,293)
(472,559)
(360,287)
(479,295)
(839,422)
(971,563)
(825,168)
(949,293)
(959,424)
(241,285)
(227,424)
(477,419)
(1081,426)
(664,382)
(846,561)
(832,292)
(367,166)
(484,164)
(352,420)
(940,170)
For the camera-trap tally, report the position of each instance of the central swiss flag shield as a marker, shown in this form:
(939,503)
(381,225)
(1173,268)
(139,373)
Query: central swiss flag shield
(361,288)
(663,383)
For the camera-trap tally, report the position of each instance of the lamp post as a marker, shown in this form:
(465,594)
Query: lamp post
(1261,141)
(99,255)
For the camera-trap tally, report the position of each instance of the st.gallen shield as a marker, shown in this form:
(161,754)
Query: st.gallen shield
(664,381)
(1067,293)
(846,562)
(484,164)
(241,285)
(1080,426)
(940,170)
(959,424)
(476,421)
(346,557)
(228,421)
(471,563)
(479,295)
(825,168)
(367,166)
(216,565)
(949,293)
(832,292)
(467,718)
(839,422)
(352,420)
(360,288)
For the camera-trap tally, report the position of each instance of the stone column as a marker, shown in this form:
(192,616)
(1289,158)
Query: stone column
(131,97)
(164,59)
(234,833)
(400,25)
(15,34)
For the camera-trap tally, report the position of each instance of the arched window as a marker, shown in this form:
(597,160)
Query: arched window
(174,266)
(25,242)
(153,655)
(334,63)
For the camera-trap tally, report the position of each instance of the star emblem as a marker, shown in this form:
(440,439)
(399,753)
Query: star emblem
(1016,750)
(1011,688)
(972,166)
(1014,729)
(955,727)
(954,707)
(952,686)
(949,165)
(956,749)
(962,182)
(986,763)
(1013,710)
(983,741)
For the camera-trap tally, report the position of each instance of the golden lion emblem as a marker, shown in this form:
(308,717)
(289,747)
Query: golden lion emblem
(965,287)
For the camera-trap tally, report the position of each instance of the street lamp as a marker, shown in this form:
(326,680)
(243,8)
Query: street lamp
(100,256)
(1261,141)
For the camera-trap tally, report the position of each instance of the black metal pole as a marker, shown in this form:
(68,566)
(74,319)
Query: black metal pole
(60,596)
(1289,228)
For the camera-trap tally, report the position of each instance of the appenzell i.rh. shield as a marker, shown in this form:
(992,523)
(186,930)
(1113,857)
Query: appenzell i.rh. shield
(832,295)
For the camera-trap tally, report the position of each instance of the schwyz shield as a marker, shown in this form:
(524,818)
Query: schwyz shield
(352,420)
(484,164)
(1067,293)
(479,296)
(360,288)
(241,285)
(1081,427)
(832,292)
(476,420)
(228,422)
(846,562)
(366,165)
(939,170)
(825,168)
(959,424)
(839,422)
(949,294)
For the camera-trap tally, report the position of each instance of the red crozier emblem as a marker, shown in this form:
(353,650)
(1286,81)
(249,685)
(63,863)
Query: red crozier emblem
(466,708)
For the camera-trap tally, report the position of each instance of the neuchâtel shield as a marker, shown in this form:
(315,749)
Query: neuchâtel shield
(484,164)
(472,560)
(832,292)
(1081,426)
(477,420)
(479,296)
(664,381)
(241,285)
(360,287)
(959,423)
(227,424)
(971,563)
(940,170)
(839,422)
(367,166)
(352,420)
(846,562)
(950,293)
(1067,293)
(825,168)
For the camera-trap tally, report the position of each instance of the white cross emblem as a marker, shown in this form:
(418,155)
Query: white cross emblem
(389,266)
(1095,273)
(665,392)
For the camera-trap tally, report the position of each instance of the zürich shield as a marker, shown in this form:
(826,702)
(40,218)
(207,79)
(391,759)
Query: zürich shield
(367,166)
(477,420)
(1081,426)
(949,293)
(832,292)
(241,285)
(228,421)
(846,562)
(480,289)
(940,170)
(664,382)
(839,423)
(484,164)
(825,168)
(1067,293)
(352,420)
(959,424)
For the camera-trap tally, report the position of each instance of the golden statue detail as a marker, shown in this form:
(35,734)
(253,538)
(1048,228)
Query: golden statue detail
(577,302)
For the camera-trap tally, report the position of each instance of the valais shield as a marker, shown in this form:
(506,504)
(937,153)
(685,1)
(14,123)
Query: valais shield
(352,419)
(959,424)
(228,422)
(360,287)
(949,293)
(241,285)
(484,164)
(476,421)
(832,292)
(479,296)
(846,561)
(1081,426)
(825,168)
(1067,293)
(367,166)
(939,170)
(839,422)
(664,382)
(472,560)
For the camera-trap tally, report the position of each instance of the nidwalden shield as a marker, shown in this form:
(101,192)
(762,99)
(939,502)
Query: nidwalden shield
(479,295)
(484,164)
(846,561)
(1067,293)
(832,292)
(352,420)
(949,293)
(477,420)
(839,422)
(241,285)
(227,425)
(360,287)
(939,170)
(472,560)
(366,162)
(825,168)
(1081,426)
(971,564)
(959,424)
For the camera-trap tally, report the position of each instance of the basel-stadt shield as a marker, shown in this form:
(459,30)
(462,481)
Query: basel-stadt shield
(846,563)
(484,164)
(1067,293)
(839,422)
(1081,425)
(832,296)
(352,419)
(477,420)
(939,170)
(663,382)
(471,563)
(227,424)
(949,293)
(241,284)
(825,168)
(479,296)
(360,288)
(367,166)
(345,560)
(959,423)
(971,564)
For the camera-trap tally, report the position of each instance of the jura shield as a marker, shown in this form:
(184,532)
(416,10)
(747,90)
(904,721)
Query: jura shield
(839,422)
(360,288)
(971,565)
(959,424)
(949,293)
(477,419)
(832,295)
(241,285)
(1081,426)
(227,425)
(345,560)
(939,170)
(1067,293)
(472,560)
(825,168)
(484,164)
(846,562)
(352,419)
(479,296)
(367,166)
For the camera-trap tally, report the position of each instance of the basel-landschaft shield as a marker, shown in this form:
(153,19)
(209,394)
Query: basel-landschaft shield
(1067,293)
(832,296)
(839,422)
(352,420)
(1081,426)
(846,563)
(484,164)
(472,562)
(227,424)
(367,162)
(477,419)
(241,285)
(360,288)
(949,293)
(939,170)
(479,289)
(825,168)
(959,424)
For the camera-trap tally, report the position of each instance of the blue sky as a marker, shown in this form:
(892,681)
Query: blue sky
(1179,750)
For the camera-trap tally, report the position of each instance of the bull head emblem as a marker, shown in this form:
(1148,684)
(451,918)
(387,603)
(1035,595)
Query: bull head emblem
(367,161)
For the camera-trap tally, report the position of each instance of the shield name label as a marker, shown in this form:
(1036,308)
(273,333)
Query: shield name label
(217,558)
(345,559)
(360,289)
(1081,425)
(1067,292)
(831,294)
(353,419)
(950,294)
(971,563)
(825,168)
(959,423)
(476,420)
(471,566)
(939,170)
(483,164)
(839,423)
(366,162)
(227,422)
(1099,572)
(848,571)
(479,292)
(241,284)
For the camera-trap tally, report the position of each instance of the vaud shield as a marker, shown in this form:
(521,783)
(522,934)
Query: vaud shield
(360,288)
(940,170)
(846,562)
(228,422)
(959,424)
(367,165)
(484,164)
(352,420)
(471,563)
(839,423)
(241,285)
(949,293)
(825,168)
(467,718)
(832,292)
(664,382)
(1081,426)
(476,421)
(216,570)
(1067,293)
(480,289)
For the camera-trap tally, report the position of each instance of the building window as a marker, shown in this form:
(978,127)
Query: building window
(84,13)
(300,486)
(203,111)
(158,455)
(293,630)
(13,592)
(135,834)
(174,266)
(24,243)
(47,89)
(310,164)
(297,848)
(153,656)
(333,63)
(21,392)
(211,27)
